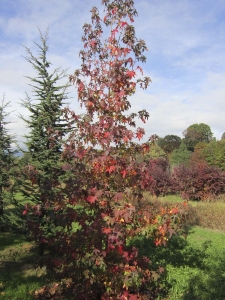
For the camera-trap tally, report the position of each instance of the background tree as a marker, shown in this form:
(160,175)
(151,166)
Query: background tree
(197,133)
(155,152)
(169,143)
(7,160)
(197,156)
(214,154)
(180,156)
(223,136)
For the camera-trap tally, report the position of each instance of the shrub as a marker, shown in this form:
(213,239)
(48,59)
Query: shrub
(160,172)
(199,181)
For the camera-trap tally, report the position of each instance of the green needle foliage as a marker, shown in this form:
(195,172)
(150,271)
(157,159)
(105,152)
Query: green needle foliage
(47,130)
(46,122)
(7,161)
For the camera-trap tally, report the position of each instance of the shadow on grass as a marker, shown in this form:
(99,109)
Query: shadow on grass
(202,268)
(18,273)
(13,219)
(8,239)
(212,285)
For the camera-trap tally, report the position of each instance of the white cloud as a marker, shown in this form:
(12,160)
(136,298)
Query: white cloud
(186,58)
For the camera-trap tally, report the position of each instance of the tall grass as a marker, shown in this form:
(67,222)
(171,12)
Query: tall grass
(207,214)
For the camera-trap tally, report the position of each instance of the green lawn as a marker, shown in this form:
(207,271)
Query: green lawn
(18,272)
(195,266)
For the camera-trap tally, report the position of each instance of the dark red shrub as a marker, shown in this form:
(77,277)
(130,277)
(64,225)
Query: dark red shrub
(198,181)
(160,172)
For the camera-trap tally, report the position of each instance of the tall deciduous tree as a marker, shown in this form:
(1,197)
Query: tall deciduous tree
(96,217)
(6,160)
(214,154)
(180,156)
(155,152)
(197,156)
(169,143)
(197,133)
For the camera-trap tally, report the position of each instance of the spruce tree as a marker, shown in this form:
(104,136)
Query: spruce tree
(47,130)
(7,160)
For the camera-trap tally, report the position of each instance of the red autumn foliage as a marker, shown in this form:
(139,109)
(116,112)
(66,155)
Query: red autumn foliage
(87,228)
(198,181)
(162,181)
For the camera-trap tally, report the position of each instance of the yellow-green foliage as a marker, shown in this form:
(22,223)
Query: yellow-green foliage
(155,152)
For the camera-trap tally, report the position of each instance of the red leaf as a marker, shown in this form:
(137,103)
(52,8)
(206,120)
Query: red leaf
(110,169)
(123,172)
(130,74)
(123,24)
(139,135)
(126,255)
(91,199)
(145,148)
(106,134)
(120,250)
(140,69)
(118,196)
(106,230)
(25,212)
(126,51)
(114,10)
(114,31)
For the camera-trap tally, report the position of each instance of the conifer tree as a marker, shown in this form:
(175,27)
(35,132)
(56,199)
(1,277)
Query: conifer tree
(6,161)
(47,129)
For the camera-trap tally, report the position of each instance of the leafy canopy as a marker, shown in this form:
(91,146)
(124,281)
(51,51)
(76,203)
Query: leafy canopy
(197,133)
(169,143)
(92,218)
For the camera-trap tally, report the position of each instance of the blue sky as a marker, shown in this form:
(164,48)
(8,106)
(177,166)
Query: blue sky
(186,57)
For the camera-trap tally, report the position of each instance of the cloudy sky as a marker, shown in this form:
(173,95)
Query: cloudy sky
(186,57)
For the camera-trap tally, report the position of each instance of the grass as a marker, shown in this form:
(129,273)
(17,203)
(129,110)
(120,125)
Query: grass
(201,213)
(195,266)
(200,274)
(19,275)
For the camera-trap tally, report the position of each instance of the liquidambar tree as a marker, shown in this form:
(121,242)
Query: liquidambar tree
(92,248)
